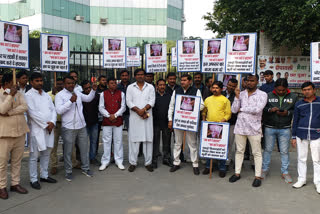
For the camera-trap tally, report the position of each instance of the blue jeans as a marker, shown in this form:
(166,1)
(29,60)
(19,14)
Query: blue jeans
(93,136)
(283,137)
(221,166)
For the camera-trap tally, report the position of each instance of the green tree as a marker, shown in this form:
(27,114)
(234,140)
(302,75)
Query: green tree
(34,34)
(293,23)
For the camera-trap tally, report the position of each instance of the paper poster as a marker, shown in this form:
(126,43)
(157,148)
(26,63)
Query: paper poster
(296,69)
(14,45)
(188,52)
(213,55)
(315,61)
(54,52)
(174,57)
(186,113)
(241,53)
(156,58)
(133,57)
(114,52)
(214,140)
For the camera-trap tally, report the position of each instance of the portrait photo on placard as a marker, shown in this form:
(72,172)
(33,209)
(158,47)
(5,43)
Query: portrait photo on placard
(215,131)
(188,47)
(132,51)
(156,50)
(214,46)
(12,33)
(55,43)
(187,103)
(318,50)
(114,44)
(240,43)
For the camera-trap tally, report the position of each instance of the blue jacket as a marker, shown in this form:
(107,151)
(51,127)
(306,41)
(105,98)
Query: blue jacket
(267,87)
(306,120)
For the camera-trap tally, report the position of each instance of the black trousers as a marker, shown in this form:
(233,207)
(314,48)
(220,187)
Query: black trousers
(166,142)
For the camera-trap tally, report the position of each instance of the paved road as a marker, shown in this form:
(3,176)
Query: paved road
(113,191)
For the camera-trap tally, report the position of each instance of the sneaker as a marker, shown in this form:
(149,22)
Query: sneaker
(299,184)
(234,178)
(264,174)
(103,166)
(120,166)
(287,178)
(69,177)
(88,173)
(318,188)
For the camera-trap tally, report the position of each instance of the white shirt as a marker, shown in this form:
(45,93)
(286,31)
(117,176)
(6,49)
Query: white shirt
(77,88)
(72,113)
(40,111)
(141,130)
(103,110)
(173,100)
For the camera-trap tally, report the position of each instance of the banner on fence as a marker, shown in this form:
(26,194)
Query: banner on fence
(114,53)
(188,54)
(156,58)
(133,57)
(174,57)
(14,45)
(315,61)
(213,55)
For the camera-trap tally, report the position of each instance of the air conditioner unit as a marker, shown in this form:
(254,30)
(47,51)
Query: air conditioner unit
(79,18)
(183,18)
(104,21)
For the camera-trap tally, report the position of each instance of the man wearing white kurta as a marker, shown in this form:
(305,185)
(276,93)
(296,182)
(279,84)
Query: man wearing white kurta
(140,99)
(42,118)
(112,105)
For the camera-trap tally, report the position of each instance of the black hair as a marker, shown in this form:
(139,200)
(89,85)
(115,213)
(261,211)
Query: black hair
(124,71)
(35,75)
(281,82)
(232,80)
(218,83)
(111,79)
(6,78)
(304,85)
(253,75)
(160,80)
(84,82)
(68,77)
(208,79)
(261,73)
(268,72)
(101,76)
(198,73)
(188,76)
(278,73)
(138,70)
(171,74)
(59,79)
(20,74)
(150,74)
(73,72)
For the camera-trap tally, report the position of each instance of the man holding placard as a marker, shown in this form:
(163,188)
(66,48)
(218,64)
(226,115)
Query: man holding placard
(217,108)
(249,104)
(191,137)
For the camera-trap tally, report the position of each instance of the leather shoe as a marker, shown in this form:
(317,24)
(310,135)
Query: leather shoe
(149,168)
(48,180)
(19,189)
(4,194)
(222,174)
(35,185)
(167,162)
(206,171)
(53,170)
(196,171)
(256,182)
(154,164)
(234,178)
(174,168)
(131,168)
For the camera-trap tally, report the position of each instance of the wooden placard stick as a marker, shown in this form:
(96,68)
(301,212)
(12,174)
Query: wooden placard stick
(211,163)
(14,76)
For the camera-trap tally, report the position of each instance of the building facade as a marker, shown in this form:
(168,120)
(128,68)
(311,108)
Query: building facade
(88,21)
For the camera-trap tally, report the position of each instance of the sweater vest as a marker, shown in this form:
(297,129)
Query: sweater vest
(112,103)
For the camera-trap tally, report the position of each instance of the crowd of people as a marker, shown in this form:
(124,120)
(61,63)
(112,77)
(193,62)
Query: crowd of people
(263,116)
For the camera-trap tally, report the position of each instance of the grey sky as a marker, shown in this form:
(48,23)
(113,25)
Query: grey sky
(195,25)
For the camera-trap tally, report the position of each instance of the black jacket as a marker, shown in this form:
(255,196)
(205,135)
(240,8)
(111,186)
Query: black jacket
(90,110)
(160,110)
(233,118)
(169,90)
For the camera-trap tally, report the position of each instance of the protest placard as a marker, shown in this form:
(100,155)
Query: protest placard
(241,53)
(114,53)
(315,61)
(156,58)
(188,56)
(174,57)
(133,57)
(186,112)
(54,52)
(213,56)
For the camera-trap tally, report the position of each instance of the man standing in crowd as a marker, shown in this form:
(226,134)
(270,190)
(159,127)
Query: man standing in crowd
(160,125)
(112,105)
(217,108)
(57,130)
(249,105)
(305,132)
(90,113)
(74,75)
(191,137)
(69,105)
(208,83)
(42,118)
(197,83)
(1,75)
(13,128)
(122,86)
(269,85)
(277,121)
(22,78)
(149,78)
(229,93)
(140,99)
(172,83)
